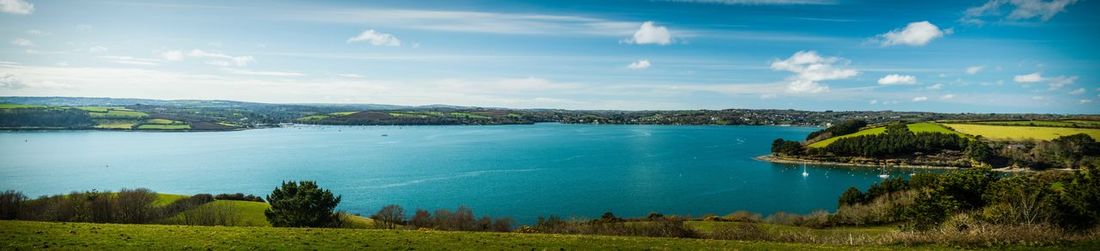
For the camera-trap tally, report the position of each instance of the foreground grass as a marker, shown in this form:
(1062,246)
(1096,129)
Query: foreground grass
(33,235)
(1021,132)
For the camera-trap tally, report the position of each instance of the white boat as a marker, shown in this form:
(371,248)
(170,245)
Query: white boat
(804,173)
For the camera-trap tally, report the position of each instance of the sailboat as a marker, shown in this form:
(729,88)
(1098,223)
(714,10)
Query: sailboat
(804,173)
(883,174)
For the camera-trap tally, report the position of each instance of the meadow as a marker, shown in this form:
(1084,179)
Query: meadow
(20,235)
(999,132)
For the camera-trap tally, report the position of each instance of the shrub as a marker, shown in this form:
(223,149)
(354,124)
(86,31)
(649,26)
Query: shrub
(744,216)
(302,204)
(215,214)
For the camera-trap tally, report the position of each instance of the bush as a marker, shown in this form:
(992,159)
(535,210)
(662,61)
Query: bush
(745,216)
(302,204)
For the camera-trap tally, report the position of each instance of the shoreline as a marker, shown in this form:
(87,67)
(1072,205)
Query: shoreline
(788,160)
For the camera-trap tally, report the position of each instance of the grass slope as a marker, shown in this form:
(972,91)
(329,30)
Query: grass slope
(20,235)
(924,127)
(1021,132)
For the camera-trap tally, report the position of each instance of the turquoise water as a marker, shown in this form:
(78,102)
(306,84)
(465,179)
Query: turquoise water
(522,171)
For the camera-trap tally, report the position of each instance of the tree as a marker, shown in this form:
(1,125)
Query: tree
(302,204)
(1079,202)
(11,204)
(421,219)
(979,151)
(390,216)
(851,196)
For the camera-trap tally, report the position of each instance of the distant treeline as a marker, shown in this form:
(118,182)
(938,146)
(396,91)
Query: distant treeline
(45,118)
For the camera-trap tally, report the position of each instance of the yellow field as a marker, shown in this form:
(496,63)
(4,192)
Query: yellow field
(1021,132)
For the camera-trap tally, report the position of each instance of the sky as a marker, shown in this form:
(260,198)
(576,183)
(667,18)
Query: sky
(1004,56)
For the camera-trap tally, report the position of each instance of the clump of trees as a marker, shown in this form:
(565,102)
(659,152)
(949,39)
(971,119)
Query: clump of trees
(897,140)
(239,196)
(302,204)
(462,219)
(789,148)
(655,225)
(1066,201)
(134,206)
(842,128)
(45,117)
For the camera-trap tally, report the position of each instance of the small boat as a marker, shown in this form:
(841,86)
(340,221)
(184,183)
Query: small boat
(804,173)
(882,174)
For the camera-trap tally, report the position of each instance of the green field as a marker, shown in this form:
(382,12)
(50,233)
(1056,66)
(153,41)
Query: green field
(37,235)
(1055,123)
(163,127)
(1021,132)
(872,131)
(243,213)
(165,199)
(15,106)
(114,124)
(923,127)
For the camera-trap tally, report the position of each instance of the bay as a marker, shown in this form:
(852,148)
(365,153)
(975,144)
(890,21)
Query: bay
(519,171)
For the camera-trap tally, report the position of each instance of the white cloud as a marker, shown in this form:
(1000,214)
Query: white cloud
(220,59)
(810,69)
(132,60)
(18,7)
(1084,101)
(974,69)
(263,73)
(22,42)
(914,34)
(920,99)
(873,101)
(1028,78)
(639,65)
(935,87)
(1061,81)
(349,75)
(897,79)
(651,34)
(947,96)
(10,82)
(1079,91)
(375,38)
(1021,9)
(172,55)
(37,33)
(97,49)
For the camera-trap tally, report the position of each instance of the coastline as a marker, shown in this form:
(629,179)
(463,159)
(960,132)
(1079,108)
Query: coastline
(788,160)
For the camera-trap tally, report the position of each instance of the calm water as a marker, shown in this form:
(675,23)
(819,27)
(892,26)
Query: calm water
(521,171)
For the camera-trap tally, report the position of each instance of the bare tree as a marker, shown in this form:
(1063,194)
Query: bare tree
(390,216)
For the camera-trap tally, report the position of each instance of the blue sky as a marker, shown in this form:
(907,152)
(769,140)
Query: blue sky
(944,56)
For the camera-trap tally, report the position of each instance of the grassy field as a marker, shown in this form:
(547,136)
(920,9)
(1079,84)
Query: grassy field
(1056,123)
(245,213)
(35,235)
(1021,132)
(826,142)
(835,232)
(15,106)
(164,199)
(914,127)
(163,127)
(114,124)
